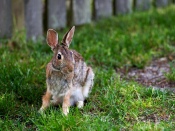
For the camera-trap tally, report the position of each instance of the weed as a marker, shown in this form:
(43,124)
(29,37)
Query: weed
(171,75)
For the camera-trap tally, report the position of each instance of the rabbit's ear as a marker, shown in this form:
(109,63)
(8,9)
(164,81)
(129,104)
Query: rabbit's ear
(52,38)
(67,39)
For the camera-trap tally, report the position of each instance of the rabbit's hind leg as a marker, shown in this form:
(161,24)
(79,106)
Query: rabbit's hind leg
(80,104)
(88,83)
(77,98)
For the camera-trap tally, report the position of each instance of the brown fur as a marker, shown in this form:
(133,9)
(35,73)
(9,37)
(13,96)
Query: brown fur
(46,100)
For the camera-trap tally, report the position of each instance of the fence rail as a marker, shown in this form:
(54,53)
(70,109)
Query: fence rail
(61,13)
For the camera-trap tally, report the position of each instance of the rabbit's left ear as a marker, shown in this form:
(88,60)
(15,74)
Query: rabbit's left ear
(52,38)
(67,39)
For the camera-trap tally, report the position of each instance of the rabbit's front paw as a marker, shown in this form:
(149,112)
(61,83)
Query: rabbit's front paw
(65,111)
(41,110)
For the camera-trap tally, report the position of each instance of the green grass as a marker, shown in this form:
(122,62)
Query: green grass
(114,104)
(171,75)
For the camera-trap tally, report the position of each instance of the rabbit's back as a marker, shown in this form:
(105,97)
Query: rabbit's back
(83,78)
(80,69)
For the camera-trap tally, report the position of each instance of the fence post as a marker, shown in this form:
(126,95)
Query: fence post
(81,11)
(56,14)
(103,8)
(161,3)
(123,6)
(5,18)
(33,19)
(142,5)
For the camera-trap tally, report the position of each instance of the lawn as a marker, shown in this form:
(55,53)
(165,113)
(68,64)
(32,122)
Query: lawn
(114,104)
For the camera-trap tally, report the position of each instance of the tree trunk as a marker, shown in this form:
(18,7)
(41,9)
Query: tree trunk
(123,6)
(103,8)
(56,14)
(161,3)
(81,11)
(33,19)
(142,5)
(5,19)
(18,14)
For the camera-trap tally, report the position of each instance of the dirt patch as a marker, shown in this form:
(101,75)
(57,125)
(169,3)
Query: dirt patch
(151,76)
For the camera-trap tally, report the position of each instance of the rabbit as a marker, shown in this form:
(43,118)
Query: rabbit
(69,80)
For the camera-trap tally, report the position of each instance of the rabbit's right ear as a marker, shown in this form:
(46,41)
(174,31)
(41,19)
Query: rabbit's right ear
(52,38)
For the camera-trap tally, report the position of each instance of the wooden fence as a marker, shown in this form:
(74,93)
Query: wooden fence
(61,13)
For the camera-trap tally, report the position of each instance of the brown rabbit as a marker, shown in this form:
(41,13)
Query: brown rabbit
(69,80)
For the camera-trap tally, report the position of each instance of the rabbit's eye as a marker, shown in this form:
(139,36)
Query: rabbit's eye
(59,56)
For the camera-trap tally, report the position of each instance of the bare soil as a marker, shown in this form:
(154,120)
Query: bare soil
(151,76)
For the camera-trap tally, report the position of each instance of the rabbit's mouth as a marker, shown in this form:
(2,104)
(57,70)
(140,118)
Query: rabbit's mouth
(56,68)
